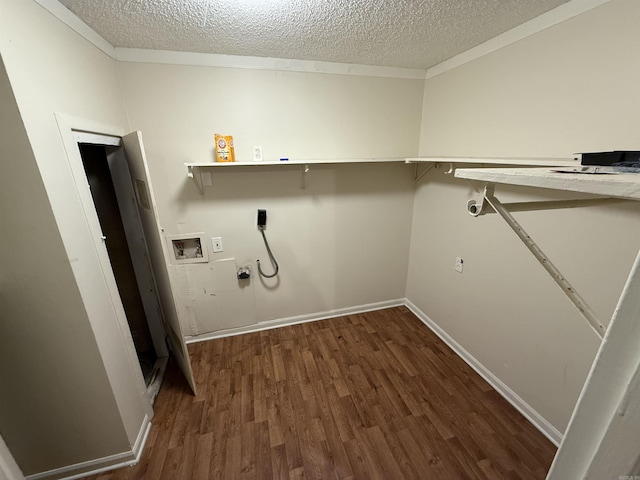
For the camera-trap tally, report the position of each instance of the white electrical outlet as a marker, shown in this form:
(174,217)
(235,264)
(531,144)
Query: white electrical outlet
(257,153)
(458,266)
(217,244)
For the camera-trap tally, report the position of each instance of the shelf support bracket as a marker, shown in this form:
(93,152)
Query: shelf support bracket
(196,174)
(573,296)
(305,170)
(478,206)
(451,169)
(417,175)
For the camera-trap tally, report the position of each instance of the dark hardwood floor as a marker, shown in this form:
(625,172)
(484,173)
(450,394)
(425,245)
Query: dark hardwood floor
(369,396)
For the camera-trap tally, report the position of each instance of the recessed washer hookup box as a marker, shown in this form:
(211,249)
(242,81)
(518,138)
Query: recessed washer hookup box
(187,248)
(621,157)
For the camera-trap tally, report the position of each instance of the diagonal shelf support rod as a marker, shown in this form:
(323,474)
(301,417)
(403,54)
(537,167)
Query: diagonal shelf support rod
(575,298)
(417,175)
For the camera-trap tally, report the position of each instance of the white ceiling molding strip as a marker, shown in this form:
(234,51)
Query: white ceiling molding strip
(137,55)
(553,17)
(67,17)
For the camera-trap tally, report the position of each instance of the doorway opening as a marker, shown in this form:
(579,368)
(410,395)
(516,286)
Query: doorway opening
(110,185)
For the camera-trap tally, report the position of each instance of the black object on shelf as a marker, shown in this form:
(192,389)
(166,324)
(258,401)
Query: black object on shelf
(622,158)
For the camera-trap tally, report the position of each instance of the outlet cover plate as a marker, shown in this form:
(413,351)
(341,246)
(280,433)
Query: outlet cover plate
(217,244)
(257,153)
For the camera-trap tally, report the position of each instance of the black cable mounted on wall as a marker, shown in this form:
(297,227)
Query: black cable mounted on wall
(262,223)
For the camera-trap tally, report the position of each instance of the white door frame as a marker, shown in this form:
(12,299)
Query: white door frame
(102,301)
(134,233)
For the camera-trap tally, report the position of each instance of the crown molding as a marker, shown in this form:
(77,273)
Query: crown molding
(553,17)
(263,63)
(67,17)
(138,55)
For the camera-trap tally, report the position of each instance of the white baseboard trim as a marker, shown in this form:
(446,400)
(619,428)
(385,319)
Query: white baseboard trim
(285,322)
(141,440)
(125,459)
(537,420)
(99,465)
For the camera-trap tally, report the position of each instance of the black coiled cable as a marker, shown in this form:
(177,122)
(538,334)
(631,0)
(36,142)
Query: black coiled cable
(271,257)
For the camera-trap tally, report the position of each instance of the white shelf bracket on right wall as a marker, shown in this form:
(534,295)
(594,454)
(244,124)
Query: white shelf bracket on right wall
(475,208)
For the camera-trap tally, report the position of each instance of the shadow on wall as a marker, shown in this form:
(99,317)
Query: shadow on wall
(256,181)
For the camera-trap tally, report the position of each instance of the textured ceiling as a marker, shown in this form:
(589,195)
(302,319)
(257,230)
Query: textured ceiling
(400,33)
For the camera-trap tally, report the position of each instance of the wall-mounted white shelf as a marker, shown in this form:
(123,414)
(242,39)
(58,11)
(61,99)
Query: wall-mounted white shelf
(524,162)
(267,163)
(201,172)
(533,162)
(619,185)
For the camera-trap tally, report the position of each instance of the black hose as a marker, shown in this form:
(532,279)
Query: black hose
(271,257)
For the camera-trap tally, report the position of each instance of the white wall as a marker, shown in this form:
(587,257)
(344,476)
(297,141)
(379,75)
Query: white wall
(570,88)
(45,388)
(341,242)
(60,402)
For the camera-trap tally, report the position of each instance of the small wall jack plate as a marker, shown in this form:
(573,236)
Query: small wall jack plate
(257,153)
